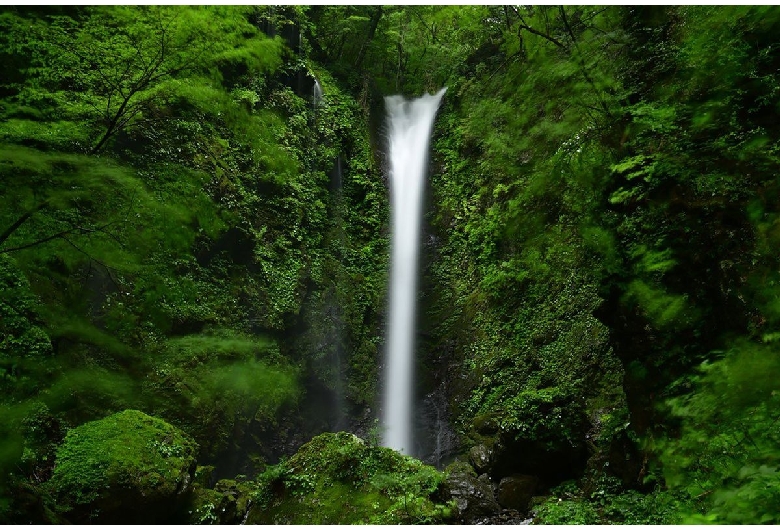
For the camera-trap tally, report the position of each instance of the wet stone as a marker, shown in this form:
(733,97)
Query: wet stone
(515,492)
(473,496)
(480,458)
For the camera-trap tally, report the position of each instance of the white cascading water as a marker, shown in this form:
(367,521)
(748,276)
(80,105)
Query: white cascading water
(316,93)
(409,130)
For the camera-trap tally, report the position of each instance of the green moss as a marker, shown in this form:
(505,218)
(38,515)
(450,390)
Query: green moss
(339,479)
(125,461)
(227,503)
(204,507)
(203,476)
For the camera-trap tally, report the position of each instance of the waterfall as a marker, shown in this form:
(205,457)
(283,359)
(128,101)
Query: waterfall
(409,130)
(337,316)
(316,93)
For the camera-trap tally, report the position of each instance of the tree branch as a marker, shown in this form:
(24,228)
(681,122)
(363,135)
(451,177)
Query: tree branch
(19,222)
(38,242)
(91,258)
(62,234)
(528,28)
(582,63)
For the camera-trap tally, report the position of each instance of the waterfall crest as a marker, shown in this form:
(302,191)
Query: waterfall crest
(409,129)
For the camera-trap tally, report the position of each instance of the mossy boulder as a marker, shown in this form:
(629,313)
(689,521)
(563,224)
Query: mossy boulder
(340,479)
(126,468)
(473,496)
(227,503)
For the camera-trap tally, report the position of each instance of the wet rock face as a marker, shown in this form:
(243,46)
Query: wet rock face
(435,436)
(480,458)
(474,496)
(515,492)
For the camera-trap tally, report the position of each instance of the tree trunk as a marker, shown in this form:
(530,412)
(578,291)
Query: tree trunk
(375,18)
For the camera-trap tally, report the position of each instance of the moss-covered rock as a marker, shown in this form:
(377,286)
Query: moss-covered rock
(126,468)
(227,503)
(473,496)
(339,479)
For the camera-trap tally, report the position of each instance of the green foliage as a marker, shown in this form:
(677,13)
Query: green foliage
(212,384)
(566,512)
(540,360)
(727,454)
(111,67)
(517,183)
(64,186)
(144,277)
(408,49)
(608,504)
(339,479)
(348,269)
(662,309)
(604,194)
(24,342)
(165,206)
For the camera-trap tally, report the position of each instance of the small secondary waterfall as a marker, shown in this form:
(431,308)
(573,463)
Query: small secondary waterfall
(335,345)
(316,93)
(409,130)
(336,316)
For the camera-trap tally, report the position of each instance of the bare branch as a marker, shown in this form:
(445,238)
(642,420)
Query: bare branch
(63,233)
(524,25)
(19,222)
(92,258)
(583,68)
(543,35)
